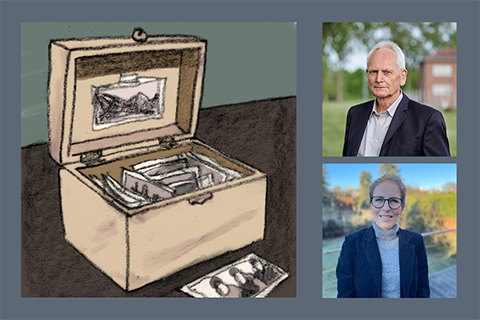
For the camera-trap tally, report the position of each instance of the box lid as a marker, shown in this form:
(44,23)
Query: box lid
(112,95)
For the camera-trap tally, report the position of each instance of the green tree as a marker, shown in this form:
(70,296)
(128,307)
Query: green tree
(415,218)
(353,84)
(329,89)
(326,200)
(417,40)
(337,37)
(426,211)
(365,182)
(388,168)
(449,187)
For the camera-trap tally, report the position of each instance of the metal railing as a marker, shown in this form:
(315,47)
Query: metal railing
(423,234)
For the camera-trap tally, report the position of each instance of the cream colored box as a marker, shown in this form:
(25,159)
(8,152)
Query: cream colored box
(137,246)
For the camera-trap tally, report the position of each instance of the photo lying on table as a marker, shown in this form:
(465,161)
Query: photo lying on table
(250,277)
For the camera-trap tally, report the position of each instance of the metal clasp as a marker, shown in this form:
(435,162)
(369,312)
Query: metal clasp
(167,143)
(91,157)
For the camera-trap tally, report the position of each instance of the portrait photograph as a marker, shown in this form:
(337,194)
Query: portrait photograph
(389,231)
(389,89)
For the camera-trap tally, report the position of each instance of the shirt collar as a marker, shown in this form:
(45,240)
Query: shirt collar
(391,110)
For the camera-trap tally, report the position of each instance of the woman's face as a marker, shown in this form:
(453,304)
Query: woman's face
(385,217)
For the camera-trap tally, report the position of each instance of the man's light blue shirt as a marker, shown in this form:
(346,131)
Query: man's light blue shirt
(376,130)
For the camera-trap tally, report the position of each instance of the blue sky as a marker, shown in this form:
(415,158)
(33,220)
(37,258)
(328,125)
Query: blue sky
(425,176)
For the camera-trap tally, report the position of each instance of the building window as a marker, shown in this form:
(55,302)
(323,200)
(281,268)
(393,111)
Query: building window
(442,70)
(442,90)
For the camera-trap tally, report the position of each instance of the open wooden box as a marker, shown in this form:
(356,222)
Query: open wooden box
(136,246)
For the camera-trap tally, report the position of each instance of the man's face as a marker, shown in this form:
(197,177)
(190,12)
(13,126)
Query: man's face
(384,75)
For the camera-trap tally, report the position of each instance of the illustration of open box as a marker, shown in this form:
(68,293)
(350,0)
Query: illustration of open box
(141,198)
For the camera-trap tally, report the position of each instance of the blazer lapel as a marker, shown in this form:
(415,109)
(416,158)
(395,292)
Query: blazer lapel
(400,114)
(407,258)
(361,126)
(372,253)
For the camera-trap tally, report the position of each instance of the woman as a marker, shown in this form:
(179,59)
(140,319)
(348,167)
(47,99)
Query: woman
(384,261)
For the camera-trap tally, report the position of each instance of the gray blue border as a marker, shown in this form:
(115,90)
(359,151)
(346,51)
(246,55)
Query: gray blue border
(309,16)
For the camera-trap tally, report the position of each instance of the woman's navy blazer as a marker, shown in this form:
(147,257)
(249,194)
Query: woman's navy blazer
(359,268)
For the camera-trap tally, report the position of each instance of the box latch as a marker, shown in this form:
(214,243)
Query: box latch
(91,157)
(167,143)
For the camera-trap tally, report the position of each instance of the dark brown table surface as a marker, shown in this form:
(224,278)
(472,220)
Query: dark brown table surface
(259,133)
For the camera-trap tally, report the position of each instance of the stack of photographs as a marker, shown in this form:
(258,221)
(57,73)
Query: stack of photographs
(163,178)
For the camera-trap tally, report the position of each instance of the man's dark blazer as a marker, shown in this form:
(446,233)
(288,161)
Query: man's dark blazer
(359,268)
(415,130)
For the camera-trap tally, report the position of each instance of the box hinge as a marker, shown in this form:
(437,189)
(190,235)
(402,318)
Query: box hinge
(167,143)
(92,157)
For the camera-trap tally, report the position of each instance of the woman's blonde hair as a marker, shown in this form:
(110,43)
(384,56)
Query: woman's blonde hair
(391,178)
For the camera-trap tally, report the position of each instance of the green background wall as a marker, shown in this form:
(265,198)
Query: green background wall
(245,62)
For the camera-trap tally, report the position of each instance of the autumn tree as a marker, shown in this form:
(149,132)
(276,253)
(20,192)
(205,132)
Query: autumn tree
(426,211)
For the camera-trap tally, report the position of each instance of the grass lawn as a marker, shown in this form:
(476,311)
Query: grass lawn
(437,260)
(334,119)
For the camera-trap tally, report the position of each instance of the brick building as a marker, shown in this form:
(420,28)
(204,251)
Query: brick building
(438,79)
(340,212)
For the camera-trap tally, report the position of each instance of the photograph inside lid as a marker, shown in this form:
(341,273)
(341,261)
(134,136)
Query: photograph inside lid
(132,98)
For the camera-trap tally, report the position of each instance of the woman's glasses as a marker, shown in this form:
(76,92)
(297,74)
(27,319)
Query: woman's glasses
(393,203)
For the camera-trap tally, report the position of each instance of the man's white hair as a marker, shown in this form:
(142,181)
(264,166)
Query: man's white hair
(392,45)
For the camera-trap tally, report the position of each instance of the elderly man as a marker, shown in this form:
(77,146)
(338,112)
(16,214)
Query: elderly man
(393,124)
